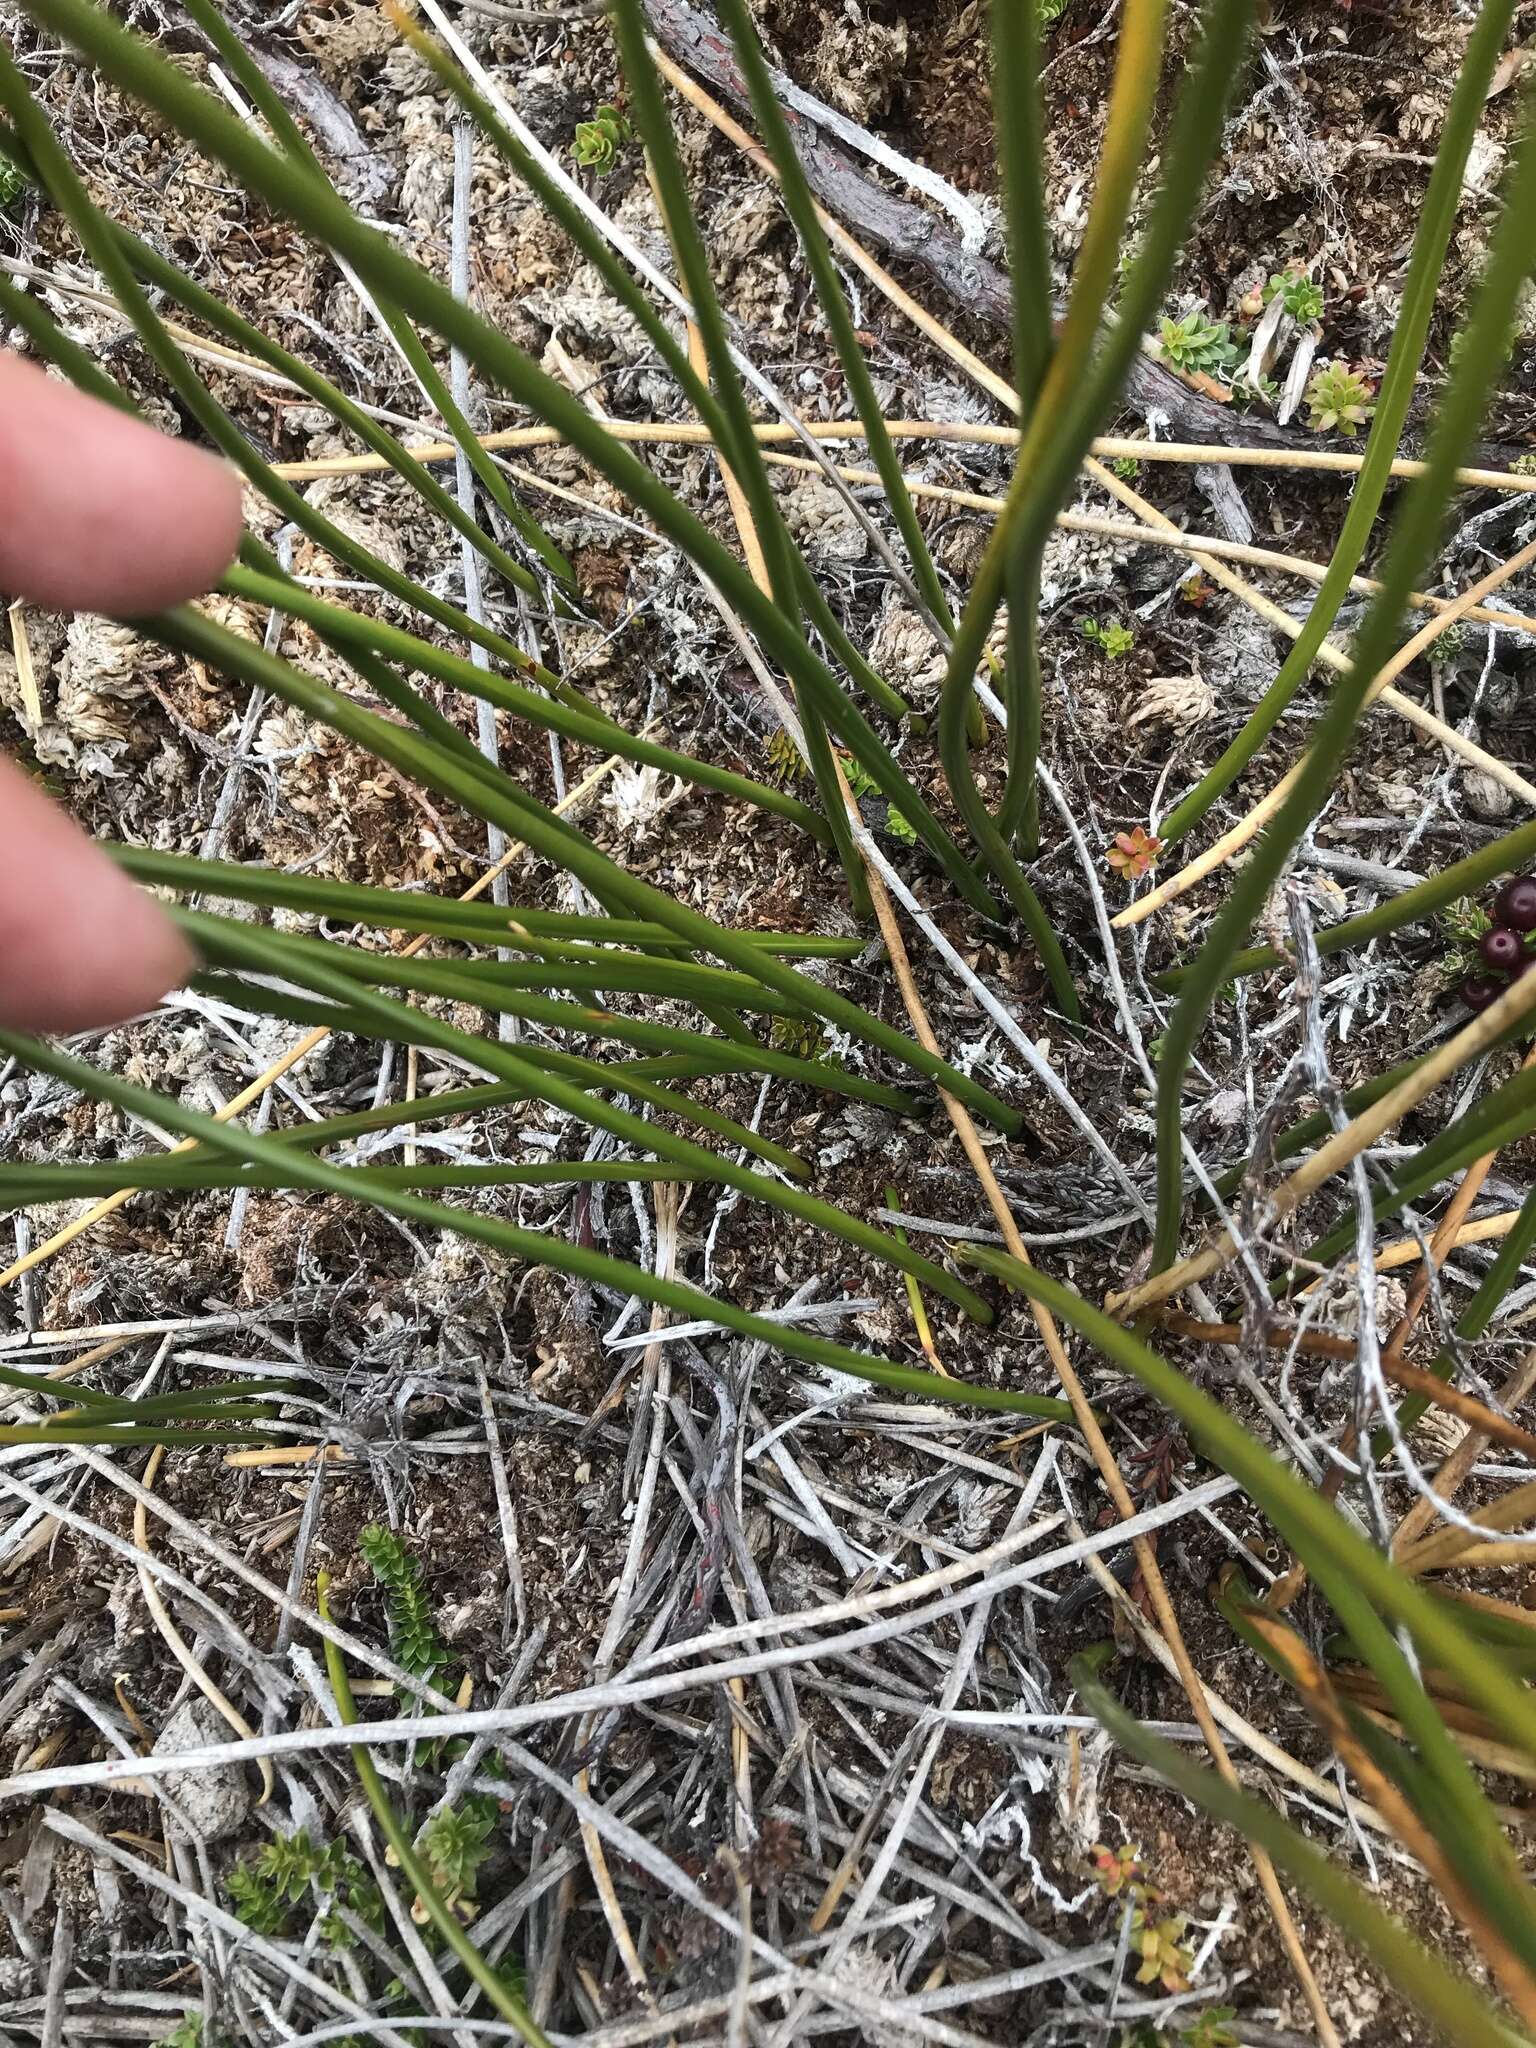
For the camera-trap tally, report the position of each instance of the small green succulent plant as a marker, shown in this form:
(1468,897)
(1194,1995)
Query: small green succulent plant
(1113,641)
(598,141)
(1193,343)
(1302,297)
(1339,400)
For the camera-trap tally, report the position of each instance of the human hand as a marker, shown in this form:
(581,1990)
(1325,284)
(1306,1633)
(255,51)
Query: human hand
(97,513)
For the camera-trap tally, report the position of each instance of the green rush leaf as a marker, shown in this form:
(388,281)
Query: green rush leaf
(1474,1319)
(512,990)
(542,1072)
(497,799)
(235,1142)
(290,136)
(25,1187)
(1079,387)
(800,205)
(405,910)
(1499,1120)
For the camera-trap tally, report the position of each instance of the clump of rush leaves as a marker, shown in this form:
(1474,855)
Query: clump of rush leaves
(974,839)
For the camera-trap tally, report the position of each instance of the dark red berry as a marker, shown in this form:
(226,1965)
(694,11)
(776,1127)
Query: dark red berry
(1501,949)
(1515,903)
(1479,990)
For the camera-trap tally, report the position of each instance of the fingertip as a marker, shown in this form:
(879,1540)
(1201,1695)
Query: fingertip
(80,945)
(115,517)
(190,532)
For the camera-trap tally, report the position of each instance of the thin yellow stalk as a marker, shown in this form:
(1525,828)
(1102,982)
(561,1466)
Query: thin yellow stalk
(177,1644)
(973,433)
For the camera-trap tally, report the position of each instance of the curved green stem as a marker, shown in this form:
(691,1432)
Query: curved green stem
(1019,131)
(801,207)
(1458,2010)
(409,910)
(487,986)
(232,1140)
(1364,1588)
(1018,815)
(22,1187)
(1048,431)
(1474,1319)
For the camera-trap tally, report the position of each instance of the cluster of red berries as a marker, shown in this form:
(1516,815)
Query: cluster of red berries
(1502,946)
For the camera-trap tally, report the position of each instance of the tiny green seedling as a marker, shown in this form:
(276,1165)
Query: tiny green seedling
(268,1892)
(1196,345)
(12,185)
(598,141)
(1113,641)
(413,1638)
(1339,400)
(802,1036)
(1211,2029)
(455,1843)
(1126,467)
(1165,1958)
(188,2030)
(862,783)
(1449,647)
